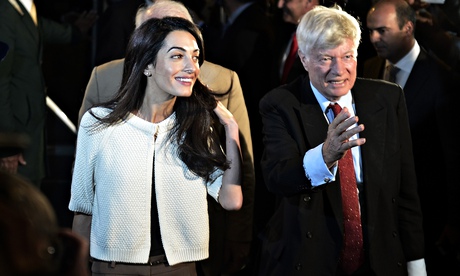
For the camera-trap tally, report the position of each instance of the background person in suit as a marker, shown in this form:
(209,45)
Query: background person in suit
(22,87)
(230,232)
(244,44)
(114,28)
(306,234)
(292,12)
(429,92)
(437,32)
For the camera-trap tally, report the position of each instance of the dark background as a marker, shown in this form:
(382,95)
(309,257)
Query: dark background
(67,69)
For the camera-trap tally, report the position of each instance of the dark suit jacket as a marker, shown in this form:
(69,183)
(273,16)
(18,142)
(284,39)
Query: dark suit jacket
(246,48)
(114,28)
(297,68)
(304,237)
(429,93)
(22,87)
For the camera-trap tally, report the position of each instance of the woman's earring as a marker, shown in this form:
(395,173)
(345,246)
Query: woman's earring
(148,73)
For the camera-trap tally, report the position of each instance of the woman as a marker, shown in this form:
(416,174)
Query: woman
(147,159)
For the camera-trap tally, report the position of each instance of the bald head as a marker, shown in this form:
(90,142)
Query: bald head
(160,9)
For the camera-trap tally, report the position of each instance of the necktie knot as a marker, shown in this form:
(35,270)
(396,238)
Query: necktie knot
(391,72)
(335,108)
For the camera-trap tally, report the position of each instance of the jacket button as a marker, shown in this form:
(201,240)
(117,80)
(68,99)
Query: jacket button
(306,198)
(309,235)
(395,234)
(298,267)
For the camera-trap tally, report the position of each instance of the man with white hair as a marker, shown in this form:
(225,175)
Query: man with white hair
(361,217)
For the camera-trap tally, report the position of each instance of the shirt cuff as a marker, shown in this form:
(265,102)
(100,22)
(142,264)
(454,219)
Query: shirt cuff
(416,268)
(315,167)
(214,186)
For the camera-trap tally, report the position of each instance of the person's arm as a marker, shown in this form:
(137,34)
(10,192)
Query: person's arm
(82,225)
(10,158)
(230,195)
(239,224)
(82,188)
(409,210)
(91,95)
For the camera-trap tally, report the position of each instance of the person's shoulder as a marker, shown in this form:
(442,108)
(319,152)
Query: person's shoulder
(433,62)
(288,92)
(89,116)
(370,86)
(209,66)
(112,65)
(8,6)
(218,78)
(10,14)
(369,83)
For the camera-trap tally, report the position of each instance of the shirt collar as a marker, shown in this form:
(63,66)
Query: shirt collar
(27,4)
(407,62)
(344,101)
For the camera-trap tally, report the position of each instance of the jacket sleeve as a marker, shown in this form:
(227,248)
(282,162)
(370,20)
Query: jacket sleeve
(241,221)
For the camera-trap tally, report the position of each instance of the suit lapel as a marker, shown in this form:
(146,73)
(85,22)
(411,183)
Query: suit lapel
(15,4)
(415,82)
(26,18)
(310,114)
(315,127)
(373,115)
(374,68)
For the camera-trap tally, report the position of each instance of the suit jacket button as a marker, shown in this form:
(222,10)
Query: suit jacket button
(298,267)
(309,235)
(395,234)
(306,198)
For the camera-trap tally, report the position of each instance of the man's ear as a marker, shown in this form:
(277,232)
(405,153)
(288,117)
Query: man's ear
(303,59)
(409,28)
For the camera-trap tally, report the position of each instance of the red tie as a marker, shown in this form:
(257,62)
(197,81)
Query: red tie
(352,255)
(290,59)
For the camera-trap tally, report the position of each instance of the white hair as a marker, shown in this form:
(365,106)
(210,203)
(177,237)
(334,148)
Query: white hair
(327,28)
(160,9)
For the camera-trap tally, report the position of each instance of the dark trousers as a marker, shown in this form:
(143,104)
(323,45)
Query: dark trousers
(157,265)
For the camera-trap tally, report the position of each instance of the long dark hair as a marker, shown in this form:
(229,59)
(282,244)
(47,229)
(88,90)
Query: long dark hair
(195,130)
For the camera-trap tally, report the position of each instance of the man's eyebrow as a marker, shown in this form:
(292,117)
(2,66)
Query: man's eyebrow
(378,28)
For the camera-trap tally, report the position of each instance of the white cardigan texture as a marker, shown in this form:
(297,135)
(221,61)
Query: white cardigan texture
(112,181)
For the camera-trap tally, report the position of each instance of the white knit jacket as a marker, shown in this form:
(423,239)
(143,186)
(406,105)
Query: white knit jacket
(112,181)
